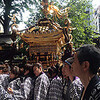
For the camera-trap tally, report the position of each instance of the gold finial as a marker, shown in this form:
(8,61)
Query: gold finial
(13,18)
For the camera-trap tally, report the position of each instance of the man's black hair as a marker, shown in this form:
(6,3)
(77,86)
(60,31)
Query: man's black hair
(38,65)
(90,53)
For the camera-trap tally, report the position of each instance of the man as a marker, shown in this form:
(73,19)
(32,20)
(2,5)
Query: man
(85,66)
(56,87)
(73,87)
(28,82)
(4,83)
(15,87)
(52,72)
(41,83)
(4,76)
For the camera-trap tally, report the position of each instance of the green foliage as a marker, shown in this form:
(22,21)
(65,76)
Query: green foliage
(10,7)
(78,14)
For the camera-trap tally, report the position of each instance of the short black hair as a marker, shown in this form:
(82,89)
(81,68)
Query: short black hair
(90,53)
(50,71)
(15,70)
(38,65)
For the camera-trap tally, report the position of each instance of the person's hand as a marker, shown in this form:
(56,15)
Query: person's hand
(10,90)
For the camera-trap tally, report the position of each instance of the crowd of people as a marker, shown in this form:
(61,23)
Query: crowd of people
(78,78)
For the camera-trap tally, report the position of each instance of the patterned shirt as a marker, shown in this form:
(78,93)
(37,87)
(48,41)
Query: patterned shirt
(15,86)
(41,87)
(28,88)
(66,86)
(93,89)
(4,95)
(75,89)
(55,89)
(4,80)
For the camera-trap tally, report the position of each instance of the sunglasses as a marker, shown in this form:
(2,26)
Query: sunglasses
(68,63)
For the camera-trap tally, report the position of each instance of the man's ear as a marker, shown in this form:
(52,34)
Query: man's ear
(40,68)
(1,71)
(86,65)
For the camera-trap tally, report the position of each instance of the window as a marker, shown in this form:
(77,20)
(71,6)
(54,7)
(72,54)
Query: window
(99,20)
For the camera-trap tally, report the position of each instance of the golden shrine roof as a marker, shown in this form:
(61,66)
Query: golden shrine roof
(46,32)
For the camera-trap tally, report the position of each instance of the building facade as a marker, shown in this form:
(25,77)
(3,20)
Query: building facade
(97,19)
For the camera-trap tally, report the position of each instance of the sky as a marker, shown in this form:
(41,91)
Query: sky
(96,3)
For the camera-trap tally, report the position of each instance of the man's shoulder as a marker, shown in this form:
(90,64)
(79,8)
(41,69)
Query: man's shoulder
(57,79)
(43,76)
(94,89)
(97,86)
(95,93)
(77,82)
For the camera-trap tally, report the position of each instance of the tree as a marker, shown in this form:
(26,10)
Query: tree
(80,17)
(79,14)
(35,13)
(10,7)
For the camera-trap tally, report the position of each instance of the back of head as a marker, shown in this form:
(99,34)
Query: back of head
(91,54)
(49,71)
(29,67)
(15,70)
